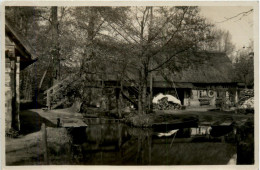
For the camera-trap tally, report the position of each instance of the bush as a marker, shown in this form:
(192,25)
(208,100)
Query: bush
(145,120)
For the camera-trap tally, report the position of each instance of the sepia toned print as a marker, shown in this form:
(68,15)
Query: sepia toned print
(129,85)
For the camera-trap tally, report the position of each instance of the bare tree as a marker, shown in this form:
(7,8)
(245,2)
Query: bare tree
(158,32)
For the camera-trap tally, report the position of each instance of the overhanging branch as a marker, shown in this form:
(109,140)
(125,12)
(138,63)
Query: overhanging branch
(242,14)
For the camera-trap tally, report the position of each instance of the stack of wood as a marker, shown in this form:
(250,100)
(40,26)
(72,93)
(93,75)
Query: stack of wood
(164,104)
(245,95)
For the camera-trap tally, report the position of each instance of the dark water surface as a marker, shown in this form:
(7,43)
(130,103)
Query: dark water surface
(114,143)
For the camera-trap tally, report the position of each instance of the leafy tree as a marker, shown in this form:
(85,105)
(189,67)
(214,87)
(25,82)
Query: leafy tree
(158,34)
(24,21)
(37,26)
(244,66)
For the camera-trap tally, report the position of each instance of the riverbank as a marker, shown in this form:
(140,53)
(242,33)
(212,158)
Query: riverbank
(204,116)
(32,119)
(28,147)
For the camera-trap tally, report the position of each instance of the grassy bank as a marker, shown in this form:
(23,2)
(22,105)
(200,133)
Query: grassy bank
(29,150)
(148,120)
(204,117)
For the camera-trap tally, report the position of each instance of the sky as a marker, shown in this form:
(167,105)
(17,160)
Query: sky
(240,29)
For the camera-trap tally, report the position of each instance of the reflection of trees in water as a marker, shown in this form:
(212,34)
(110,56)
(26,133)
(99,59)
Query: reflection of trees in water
(245,143)
(143,138)
(98,141)
(144,142)
(118,144)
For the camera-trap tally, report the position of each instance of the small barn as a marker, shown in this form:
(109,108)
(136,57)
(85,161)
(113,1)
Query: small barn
(208,82)
(18,56)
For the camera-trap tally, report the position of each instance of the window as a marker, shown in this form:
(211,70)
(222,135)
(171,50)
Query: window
(203,93)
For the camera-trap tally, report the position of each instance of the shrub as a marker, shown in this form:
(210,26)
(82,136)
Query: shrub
(145,120)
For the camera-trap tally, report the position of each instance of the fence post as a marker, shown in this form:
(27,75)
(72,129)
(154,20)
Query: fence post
(48,100)
(44,142)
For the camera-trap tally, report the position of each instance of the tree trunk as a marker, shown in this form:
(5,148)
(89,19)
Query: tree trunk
(109,102)
(151,93)
(144,90)
(118,102)
(120,105)
(90,52)
(55,41)
(43,76)
(140,108)
(140,99)
(26,89)
(245,81)
(144,97)
(90,96)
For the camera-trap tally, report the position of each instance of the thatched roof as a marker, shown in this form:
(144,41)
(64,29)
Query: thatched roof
(188,67)
(207,67)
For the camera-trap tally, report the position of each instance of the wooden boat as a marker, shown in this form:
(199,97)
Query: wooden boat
(175,124)
(221,128)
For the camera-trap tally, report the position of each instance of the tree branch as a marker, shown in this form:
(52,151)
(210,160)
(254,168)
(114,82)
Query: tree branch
(166,61)
(239,14)
(164,45)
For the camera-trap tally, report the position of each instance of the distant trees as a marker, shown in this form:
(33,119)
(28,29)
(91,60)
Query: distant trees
(244,66)
(220,41)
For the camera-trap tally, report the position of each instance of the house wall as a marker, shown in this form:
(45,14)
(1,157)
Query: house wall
(188,97)
(8,93)
(16,114)
(194,98)
(229,95)
(12,97)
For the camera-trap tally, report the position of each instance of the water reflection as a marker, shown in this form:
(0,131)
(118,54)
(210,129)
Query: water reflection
(119,144)
(201,130)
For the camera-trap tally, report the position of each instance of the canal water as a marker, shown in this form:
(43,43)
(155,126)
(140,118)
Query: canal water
(114,143)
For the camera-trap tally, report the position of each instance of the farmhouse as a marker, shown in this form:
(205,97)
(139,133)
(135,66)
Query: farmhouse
(18,56)
(207,82)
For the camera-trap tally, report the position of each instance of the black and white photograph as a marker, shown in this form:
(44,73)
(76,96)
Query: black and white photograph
(130,84)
